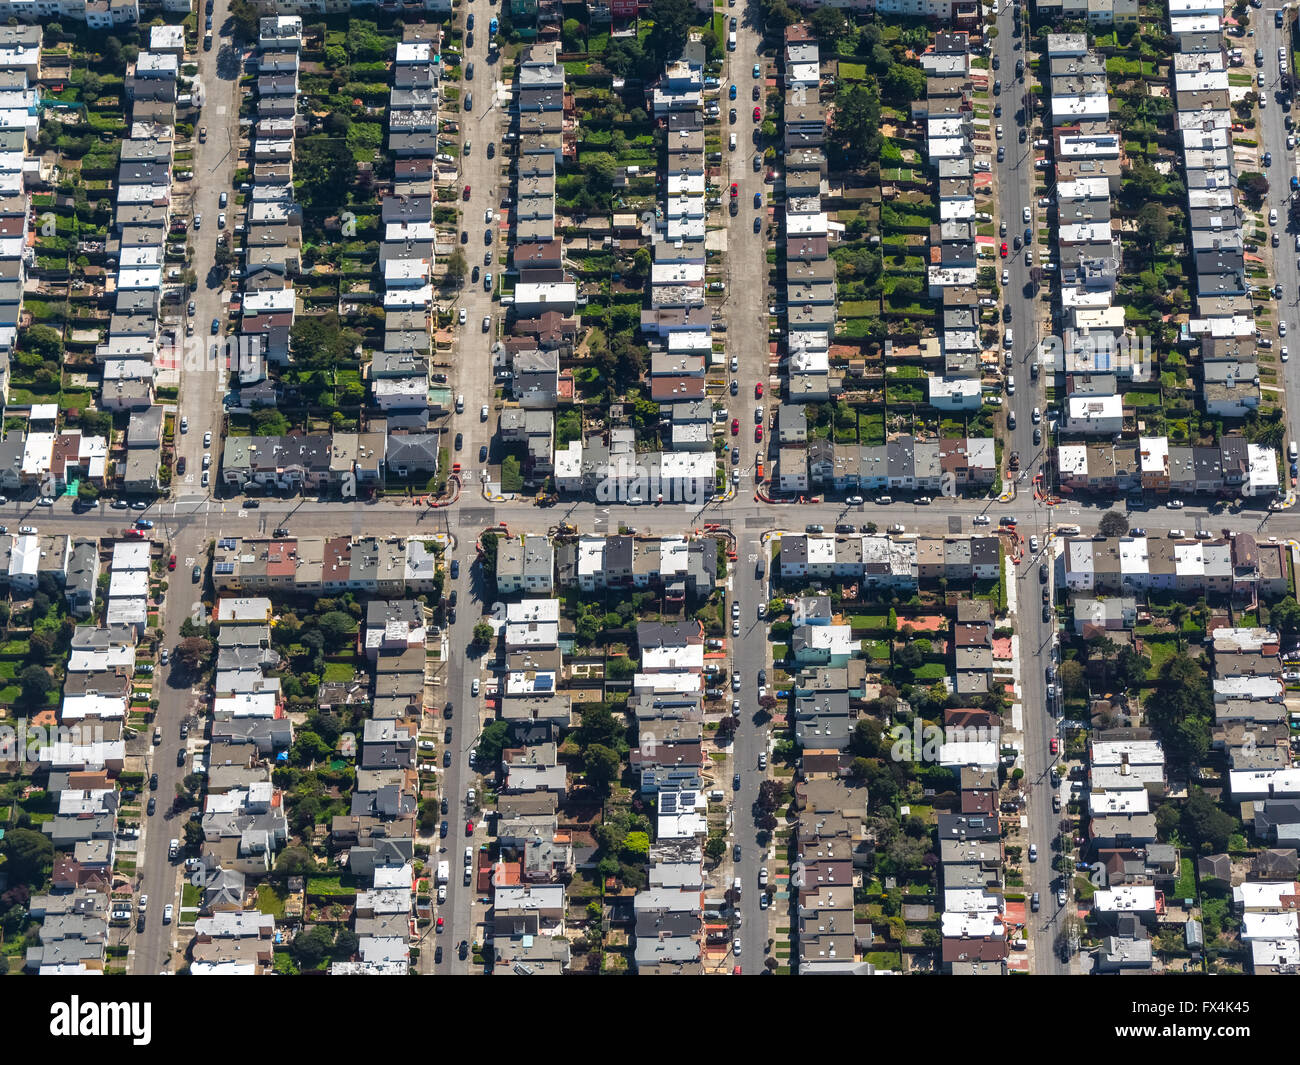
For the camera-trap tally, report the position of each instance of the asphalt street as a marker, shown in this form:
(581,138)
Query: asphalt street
(1030,319)
(202,380)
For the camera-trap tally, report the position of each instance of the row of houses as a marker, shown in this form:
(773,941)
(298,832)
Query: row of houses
(1238,565)
(898,562)
(244,823)
(677,320)
(536,854)
(400,380)
(388,566)
(541,322)
(810,295)
(20,61)
(1151,464)
(147,227)
(904,463)
(673,924)
(377,835)
(1253,727)
(1132,871)
(81,769)
(272,222)
(48,459)
(1223,325)
(1086,149)
(952,268)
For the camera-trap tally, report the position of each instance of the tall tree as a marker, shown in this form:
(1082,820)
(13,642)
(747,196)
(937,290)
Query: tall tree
(855,129)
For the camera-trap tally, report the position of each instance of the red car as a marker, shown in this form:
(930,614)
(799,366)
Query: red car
(439,924)
(758,432)
(1054,746)
(467,192)
(171,562)
(133,534)
(1003,249)
(469,828)
(735,426)
(757,114)
(758,390)
(735,190)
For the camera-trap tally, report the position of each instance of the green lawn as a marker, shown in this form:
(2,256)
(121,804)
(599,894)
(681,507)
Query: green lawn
(338,672)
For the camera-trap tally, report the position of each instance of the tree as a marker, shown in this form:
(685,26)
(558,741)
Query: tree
(672,20)
(1181,709)
(27,855)
(602,766)
(1153,228)
(457,267)
(1072,677)
(337,627)
(491,742)
(829,24)
(193,652)
(1206,825)
(600,726)
(246,19)
(1113,524)
(43,341)
(909,656)
(855,131)
(482,632)
(901,84)
(1131,668)
(35,682)
(87,491)
(1285,615)
(328,170)
(600,169)
(311,947)
(715,846)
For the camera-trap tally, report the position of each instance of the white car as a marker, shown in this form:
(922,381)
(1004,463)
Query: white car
(168,910)
(735,947)
(998,131)
(1281,329)
(207,439)
(980,519)
(473,688)
(1006,276)
(462,317)
(854,501)
(735,362)
(1272,217)
(1025,215)
(487,215)
(1037,416)
(207,459)
(442,893)
(1033,543)
(185,424)
(1285,354)
(483,413)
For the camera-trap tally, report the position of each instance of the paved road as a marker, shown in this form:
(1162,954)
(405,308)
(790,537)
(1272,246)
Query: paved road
(490,181)
(746,311)
(203,372)
(202,382)
(1030,318)
(1273,133)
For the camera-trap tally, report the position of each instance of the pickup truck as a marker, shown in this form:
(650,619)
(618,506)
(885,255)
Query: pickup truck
(444,872)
